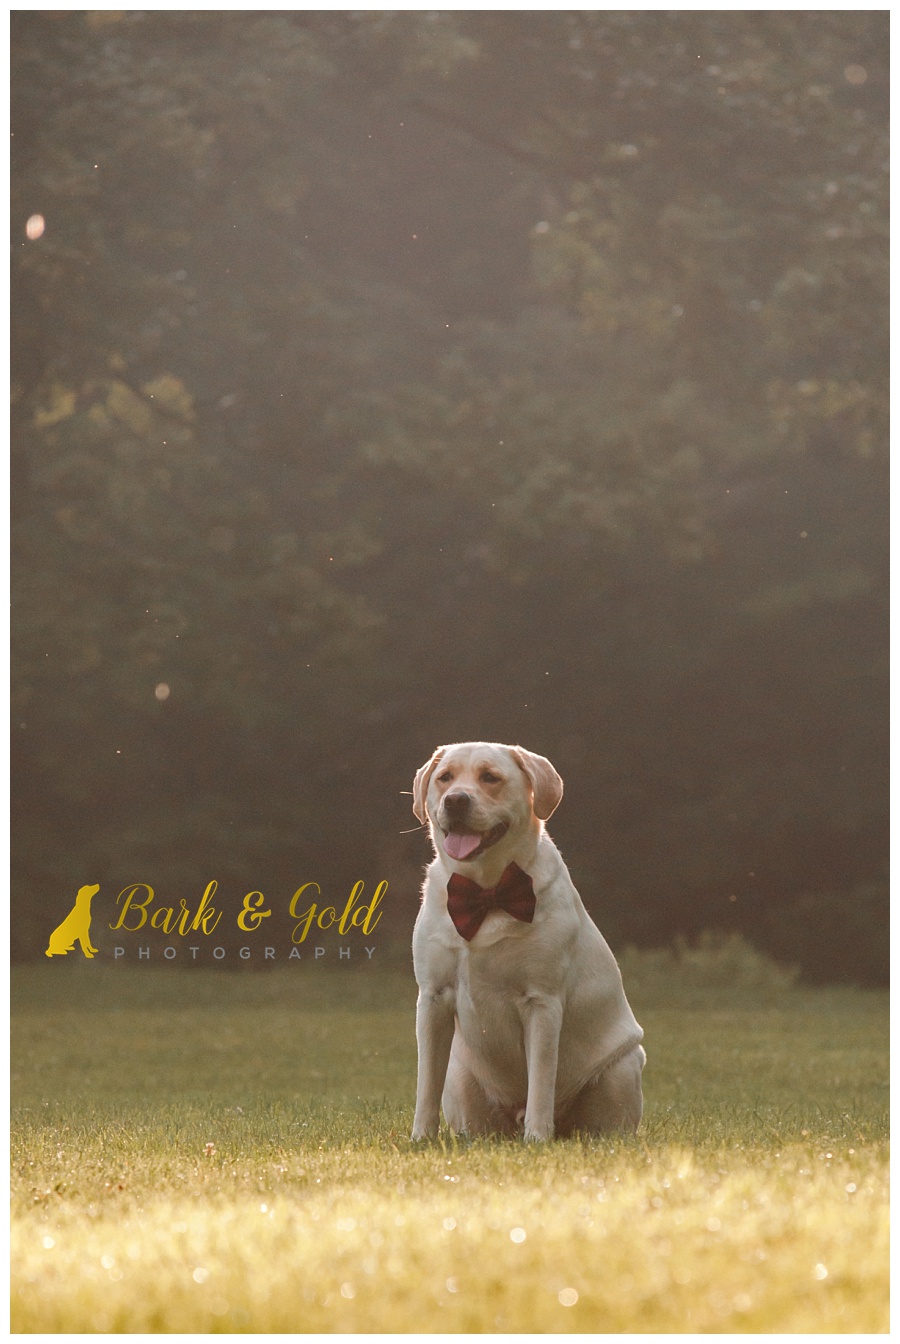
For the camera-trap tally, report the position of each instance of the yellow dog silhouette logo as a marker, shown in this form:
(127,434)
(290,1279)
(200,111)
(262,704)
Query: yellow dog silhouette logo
(76,927)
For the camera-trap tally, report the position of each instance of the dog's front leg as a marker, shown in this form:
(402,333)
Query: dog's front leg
(541,1019)
(435,1019)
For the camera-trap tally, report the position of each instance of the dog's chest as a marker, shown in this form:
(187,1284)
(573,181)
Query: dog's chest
(496,973)
(489,1019)
(502,933)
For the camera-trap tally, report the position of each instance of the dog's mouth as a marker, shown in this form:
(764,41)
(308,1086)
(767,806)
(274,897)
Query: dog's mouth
(463,844)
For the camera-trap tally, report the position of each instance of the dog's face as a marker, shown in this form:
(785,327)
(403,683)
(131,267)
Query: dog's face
(476,794)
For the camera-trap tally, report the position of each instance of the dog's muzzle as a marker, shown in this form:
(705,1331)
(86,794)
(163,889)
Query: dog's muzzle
(462,840)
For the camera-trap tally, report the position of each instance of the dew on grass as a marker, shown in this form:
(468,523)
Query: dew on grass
(518,1234)
(568,1297)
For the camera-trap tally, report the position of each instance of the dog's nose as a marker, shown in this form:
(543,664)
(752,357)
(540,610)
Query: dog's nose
(456,804)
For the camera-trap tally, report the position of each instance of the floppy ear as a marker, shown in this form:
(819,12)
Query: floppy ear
(421,782)
(546,784)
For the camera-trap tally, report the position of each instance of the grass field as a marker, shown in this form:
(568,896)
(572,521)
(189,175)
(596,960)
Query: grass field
(215,1152)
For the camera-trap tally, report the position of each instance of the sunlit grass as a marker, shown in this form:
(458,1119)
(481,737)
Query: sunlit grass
(212,1152)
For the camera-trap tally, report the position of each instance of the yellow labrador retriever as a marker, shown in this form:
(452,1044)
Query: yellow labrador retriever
(521,1016)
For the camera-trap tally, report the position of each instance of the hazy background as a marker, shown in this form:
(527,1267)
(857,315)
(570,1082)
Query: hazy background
(388,379)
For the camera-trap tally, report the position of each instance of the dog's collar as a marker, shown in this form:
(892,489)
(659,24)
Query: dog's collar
(467,903)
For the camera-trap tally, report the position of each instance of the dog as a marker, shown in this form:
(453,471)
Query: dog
(522,1024)
(75,926)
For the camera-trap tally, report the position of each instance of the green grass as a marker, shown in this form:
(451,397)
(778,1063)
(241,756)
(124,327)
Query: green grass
(198,1151)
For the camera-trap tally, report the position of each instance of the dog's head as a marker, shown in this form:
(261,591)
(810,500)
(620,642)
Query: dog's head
(481,794)
(85,895)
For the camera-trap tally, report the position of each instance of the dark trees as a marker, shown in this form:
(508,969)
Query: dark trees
(394,378)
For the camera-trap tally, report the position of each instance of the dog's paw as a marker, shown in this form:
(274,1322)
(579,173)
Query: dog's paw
(538,1133)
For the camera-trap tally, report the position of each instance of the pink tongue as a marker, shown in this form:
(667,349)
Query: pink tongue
(458,846)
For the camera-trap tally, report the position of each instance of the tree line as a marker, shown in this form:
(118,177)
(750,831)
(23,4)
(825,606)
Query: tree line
(384,379)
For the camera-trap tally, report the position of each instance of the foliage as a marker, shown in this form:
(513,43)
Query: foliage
(388,378)
(716,962)
(216,1152)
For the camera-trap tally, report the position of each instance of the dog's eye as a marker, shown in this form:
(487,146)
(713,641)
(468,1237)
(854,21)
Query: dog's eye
(488,777)
(447,775)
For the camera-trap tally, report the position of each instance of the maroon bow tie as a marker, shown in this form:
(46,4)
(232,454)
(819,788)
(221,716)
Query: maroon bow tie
(467,903)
